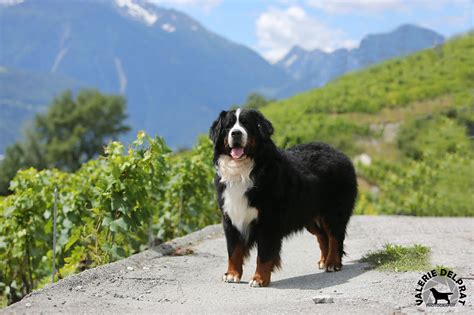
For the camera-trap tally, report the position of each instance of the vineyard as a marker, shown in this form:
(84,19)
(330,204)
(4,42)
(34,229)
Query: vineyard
(414,118)
(112,207)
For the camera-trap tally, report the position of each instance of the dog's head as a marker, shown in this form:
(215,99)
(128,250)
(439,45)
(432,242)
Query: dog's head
(238,133)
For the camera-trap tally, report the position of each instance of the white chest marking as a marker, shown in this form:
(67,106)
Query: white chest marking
(236,176)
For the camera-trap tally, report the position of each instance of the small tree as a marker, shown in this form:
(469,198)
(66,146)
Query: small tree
(70,133)
(256,101)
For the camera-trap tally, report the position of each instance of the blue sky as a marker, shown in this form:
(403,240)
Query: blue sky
(273,27)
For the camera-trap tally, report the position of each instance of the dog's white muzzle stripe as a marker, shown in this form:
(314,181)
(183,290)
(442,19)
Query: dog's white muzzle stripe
(237,127)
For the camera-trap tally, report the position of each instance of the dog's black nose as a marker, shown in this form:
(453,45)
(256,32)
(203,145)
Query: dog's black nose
(236,133)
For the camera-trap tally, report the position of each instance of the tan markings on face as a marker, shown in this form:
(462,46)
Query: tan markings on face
(251,144)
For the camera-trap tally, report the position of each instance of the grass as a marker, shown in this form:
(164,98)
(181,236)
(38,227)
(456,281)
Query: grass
(399,258)
(439,267)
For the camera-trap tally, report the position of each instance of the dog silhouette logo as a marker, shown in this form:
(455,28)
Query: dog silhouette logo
(440,295)
(441,288)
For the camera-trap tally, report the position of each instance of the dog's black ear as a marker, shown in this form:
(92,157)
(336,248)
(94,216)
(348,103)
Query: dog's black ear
(265,127)
(216,127)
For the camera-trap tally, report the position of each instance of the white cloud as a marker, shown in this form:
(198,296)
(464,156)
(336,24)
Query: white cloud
(461,22)
(10,2)
(168,28)
(358,6)
(440,5)
(348,43)
(381,6)
(279,30)
(206,5)
(135,10)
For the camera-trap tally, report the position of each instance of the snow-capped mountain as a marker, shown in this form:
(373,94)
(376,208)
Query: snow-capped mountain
(175,74)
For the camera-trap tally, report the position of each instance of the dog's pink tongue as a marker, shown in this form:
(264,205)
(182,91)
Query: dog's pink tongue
(237,153)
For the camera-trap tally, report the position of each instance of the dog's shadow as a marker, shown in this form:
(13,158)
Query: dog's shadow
(321,280)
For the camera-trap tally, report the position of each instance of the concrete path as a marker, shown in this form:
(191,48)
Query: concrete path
(156,282)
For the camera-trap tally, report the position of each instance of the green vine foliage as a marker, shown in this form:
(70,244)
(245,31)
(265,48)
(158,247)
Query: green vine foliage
(189,201)
(428,187)
(112,207)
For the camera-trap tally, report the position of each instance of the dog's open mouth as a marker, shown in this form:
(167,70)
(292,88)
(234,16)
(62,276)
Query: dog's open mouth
(237,153)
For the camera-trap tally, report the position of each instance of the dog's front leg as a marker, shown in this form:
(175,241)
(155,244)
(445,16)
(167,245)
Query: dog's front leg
(236,251)
(268,258)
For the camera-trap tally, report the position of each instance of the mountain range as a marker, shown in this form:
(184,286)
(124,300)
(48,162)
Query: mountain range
(175,74)
(314,68)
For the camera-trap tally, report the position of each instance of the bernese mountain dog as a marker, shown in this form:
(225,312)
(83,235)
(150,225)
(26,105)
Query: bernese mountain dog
(266,194)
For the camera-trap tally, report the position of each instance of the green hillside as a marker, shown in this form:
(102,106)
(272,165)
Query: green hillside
(413,116)
(400,83)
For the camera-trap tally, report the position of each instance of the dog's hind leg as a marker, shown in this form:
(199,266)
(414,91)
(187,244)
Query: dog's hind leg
(323,241)
(335,248)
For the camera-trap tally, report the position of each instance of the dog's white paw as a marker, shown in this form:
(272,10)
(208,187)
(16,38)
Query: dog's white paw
(332,268)
(255,284)
(230,278)
(322,265)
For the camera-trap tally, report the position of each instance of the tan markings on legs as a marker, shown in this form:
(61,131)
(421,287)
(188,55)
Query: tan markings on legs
(324,248)
(235,263)
(323,243)
(333,259)
(263,273)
